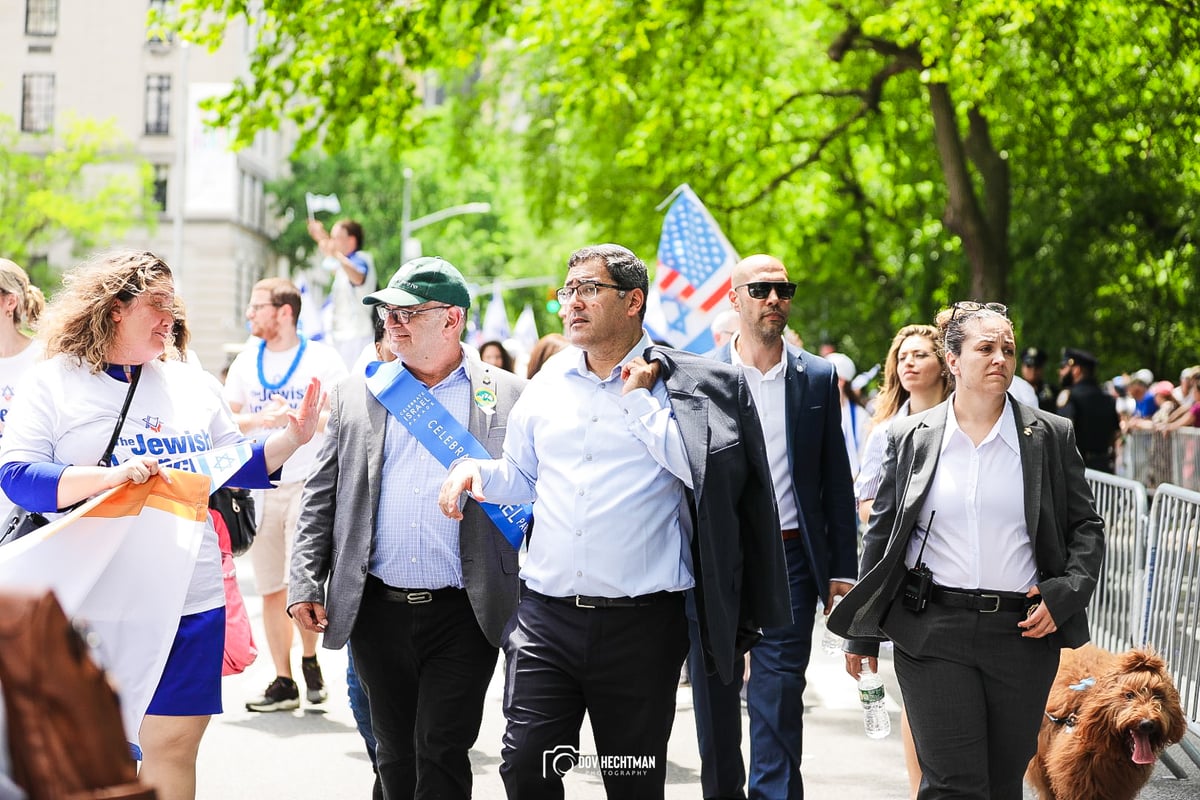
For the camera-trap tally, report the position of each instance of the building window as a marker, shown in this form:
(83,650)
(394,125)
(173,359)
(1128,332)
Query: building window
(41,17)
(37,102)
(157,15)
(161,171)
(158,105)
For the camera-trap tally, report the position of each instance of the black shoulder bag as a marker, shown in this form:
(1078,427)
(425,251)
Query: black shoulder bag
(21,522)
(236,507)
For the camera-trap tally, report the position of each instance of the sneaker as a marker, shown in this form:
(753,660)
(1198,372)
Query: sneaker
(314,683)
(281,695)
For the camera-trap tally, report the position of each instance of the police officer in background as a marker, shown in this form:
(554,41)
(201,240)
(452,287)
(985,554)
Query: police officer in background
(1033,363)
(1093,411)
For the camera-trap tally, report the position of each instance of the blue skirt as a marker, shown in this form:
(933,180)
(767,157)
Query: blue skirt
(191,681)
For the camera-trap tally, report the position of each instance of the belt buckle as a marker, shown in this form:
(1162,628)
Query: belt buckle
(995,608)
(580,604)
(417,598)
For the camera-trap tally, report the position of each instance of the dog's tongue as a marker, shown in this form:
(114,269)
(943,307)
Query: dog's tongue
(1142,752)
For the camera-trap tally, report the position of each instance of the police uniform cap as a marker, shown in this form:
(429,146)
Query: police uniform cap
(1081,357)
(1033,357)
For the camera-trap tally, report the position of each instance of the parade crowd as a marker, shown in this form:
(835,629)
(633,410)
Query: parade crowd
(604,511)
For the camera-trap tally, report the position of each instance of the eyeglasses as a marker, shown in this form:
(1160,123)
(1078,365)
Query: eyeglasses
(254,307)
(970,306)
(402,316)
(586,290)
(761,290)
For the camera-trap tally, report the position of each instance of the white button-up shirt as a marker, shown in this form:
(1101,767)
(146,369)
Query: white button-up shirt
(770,400)
(606,473)
(979,538)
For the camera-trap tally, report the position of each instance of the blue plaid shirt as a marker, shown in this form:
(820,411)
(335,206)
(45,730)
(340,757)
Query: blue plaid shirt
(416,546)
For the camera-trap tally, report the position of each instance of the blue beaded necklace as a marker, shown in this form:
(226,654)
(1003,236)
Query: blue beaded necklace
(287,376)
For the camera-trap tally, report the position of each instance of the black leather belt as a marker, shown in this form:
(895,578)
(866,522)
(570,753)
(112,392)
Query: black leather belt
(586,601)
(413,597)
(981,600)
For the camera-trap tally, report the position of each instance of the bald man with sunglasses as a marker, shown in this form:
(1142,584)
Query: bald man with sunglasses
(796,395)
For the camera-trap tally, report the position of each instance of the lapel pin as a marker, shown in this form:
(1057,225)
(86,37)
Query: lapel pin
(486,400)
(1028,432)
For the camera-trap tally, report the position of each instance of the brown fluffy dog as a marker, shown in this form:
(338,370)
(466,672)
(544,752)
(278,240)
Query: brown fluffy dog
(1109,732)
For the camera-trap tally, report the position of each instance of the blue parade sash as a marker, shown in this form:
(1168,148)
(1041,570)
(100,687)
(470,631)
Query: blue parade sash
(441,434)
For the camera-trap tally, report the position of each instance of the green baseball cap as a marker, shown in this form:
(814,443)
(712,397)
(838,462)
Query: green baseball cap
(422,280)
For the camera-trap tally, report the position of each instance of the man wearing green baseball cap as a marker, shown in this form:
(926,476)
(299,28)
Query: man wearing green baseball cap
(422,599)
(424,280)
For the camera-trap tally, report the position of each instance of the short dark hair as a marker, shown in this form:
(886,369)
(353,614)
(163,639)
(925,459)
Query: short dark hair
(626,269)
(352,228)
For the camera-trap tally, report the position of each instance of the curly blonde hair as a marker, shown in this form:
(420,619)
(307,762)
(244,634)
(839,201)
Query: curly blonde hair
(79,321)
(30,300)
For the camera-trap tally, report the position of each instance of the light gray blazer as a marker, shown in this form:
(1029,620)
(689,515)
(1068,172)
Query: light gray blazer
(1060,514)
(337,512)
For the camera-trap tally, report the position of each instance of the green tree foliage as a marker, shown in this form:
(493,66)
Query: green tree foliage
(897,155)
(368,178)
(81,184)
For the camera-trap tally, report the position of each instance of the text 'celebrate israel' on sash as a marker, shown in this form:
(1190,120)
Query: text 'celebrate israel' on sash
(692,276)
(441,434)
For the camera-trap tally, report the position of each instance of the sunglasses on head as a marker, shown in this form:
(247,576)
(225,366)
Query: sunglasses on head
(761,290)
(971,306)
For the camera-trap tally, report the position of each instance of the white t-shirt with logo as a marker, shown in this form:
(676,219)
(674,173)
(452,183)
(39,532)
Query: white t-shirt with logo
(243,387)
(12,370)
(65,414)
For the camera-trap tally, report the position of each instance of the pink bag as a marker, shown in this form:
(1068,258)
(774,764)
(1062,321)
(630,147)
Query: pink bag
(240,651)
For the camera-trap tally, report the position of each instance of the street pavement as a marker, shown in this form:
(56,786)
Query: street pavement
(316,752)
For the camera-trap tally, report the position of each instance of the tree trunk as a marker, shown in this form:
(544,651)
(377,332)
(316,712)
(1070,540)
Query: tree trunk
(984,236)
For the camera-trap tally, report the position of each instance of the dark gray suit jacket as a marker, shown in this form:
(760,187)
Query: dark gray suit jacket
(737,553)
(337,513)
(1060,513)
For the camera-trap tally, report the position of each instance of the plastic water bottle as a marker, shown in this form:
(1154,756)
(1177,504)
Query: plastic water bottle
(831,643)
(870,692)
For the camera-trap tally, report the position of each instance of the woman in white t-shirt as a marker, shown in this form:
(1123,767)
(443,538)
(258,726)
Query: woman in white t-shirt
(21,304)
(114,319)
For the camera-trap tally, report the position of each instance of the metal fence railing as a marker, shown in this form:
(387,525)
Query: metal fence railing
(1149,587)
(1154,457)
(1173,590)
(1117,611)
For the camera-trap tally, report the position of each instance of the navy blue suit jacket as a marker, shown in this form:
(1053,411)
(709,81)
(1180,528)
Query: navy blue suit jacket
(820,467)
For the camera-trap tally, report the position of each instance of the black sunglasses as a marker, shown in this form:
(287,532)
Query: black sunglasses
(971,306)
(761,290)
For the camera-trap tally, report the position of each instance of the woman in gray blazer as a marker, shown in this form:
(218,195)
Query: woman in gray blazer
(982,553)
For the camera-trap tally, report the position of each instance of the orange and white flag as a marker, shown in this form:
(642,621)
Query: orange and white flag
(120,565)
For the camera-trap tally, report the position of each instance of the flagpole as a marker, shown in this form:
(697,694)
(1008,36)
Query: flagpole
(674,193)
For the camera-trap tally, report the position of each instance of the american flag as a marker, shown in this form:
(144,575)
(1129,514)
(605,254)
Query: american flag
(691,284)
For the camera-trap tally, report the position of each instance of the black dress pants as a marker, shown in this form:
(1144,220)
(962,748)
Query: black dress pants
(619,665)
(425,668)
(975,691)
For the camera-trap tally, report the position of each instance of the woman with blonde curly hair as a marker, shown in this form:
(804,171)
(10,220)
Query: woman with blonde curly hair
(21,304)
(112,324)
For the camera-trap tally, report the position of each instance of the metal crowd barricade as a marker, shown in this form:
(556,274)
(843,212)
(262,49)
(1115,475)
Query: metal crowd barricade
(1154,457)
(1117,610)
(1172,619)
